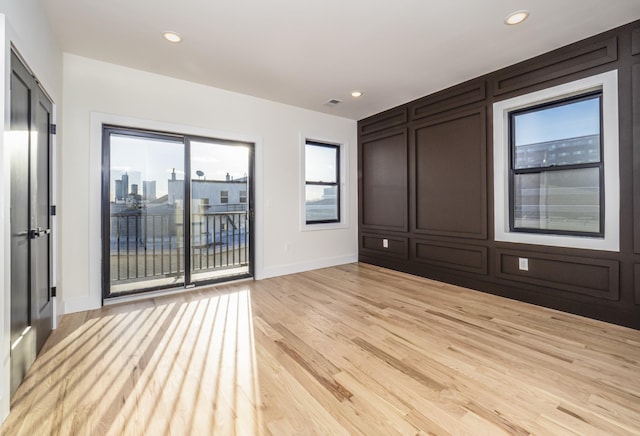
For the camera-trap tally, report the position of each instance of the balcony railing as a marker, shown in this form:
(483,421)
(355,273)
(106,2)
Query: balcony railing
(145,246)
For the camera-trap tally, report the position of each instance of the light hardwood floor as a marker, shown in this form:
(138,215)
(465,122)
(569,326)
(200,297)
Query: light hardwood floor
(346,350)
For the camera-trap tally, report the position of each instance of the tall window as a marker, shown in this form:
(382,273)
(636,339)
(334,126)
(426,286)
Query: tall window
(557,169)
(224,197)
(322,183)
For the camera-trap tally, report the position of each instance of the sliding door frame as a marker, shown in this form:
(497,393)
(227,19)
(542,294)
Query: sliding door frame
(186,139)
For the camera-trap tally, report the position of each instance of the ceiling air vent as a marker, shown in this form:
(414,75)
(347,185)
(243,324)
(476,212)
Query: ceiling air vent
(332,102)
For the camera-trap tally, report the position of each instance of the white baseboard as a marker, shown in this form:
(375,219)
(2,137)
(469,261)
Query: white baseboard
(305,266)
(79,304)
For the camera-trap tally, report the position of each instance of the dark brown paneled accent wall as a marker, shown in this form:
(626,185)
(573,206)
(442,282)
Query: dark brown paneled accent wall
(594,277)
(395,246)
(450,163)
(636,269)
(565,61)
(383,181)
(635,42)
(635,92)
(451,255)
(426,195)
(382,121)
(470,92)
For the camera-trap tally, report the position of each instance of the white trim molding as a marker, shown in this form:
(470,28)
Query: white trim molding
(94,299)
(608,83)
(344,183)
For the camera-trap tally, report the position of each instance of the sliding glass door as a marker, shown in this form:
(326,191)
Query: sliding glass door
(152,237)
(219,209)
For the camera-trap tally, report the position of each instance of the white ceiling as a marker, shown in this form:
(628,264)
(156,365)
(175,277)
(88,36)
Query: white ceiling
(306,52)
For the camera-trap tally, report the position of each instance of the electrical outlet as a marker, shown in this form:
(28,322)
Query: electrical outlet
(523,264)
(385,243)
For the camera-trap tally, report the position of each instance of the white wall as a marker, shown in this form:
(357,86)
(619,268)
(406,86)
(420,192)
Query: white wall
(23,25)
(29,31)
(95,92)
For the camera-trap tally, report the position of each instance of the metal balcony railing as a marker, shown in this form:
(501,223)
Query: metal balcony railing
(144,245)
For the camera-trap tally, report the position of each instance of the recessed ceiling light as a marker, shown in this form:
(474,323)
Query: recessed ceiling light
(516,17)
(172,36)
(356,94)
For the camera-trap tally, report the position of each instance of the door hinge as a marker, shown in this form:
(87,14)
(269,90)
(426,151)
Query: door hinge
(53,291)
(53,129)
(53,211)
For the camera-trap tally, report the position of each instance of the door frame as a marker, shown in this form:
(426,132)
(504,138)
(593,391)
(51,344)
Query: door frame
(187,138)
(92,297)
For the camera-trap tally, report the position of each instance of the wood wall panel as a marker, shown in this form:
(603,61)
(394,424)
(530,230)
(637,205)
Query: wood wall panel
(635,93)
(560,63)
(450,176)
(398,247)
(383,181)
(459,257)
(383,121)
(452,98)
(635,42)
(593,277)
(636,283)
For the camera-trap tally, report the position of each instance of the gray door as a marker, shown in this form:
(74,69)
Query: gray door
(29,144)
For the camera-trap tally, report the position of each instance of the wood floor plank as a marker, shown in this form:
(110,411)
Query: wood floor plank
(353,349)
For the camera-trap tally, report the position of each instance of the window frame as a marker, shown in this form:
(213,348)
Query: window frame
(335,184)
(106,126)
(610,241)
(342,187)
(513,171)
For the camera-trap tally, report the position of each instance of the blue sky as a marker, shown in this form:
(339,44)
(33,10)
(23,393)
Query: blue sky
(560,122)
(320,163)
(151,159)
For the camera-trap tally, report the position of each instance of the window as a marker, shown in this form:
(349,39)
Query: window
(556,169)
(224,197)
(322,183)
(243,196)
